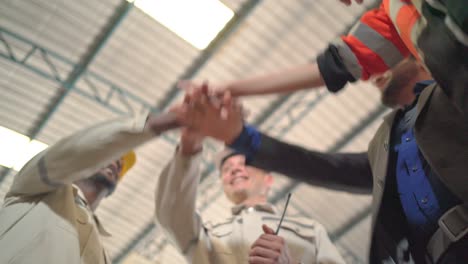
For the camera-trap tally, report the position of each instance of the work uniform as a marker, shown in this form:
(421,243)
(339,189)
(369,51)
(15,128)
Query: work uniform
(229,241)
(45,218)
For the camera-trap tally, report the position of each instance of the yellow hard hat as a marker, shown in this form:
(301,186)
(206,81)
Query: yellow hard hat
(128,160)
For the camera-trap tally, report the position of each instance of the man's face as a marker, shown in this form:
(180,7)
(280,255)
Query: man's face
(241,182)
(101,184)
(107,177)
(398,83)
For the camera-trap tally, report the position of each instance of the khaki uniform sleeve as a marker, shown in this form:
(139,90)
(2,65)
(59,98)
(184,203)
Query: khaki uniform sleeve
(327,253)
(176,192)
(80,155)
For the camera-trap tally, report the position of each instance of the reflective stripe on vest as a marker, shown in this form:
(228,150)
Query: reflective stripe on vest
(377,43)
(373,45)
(407,21)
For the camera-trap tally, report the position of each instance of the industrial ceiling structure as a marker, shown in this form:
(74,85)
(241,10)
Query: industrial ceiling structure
(65,65)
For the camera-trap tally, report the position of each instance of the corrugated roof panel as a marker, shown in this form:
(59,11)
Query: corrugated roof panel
(361,141)
(66,27)
(75,113)
(321,128)
(331,208)
(150,58)
(24,97)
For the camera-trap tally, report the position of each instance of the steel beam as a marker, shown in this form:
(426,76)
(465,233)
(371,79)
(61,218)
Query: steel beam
(78,70)
(108,94)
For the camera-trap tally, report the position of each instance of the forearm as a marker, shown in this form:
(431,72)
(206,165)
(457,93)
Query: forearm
(289,80)
(343,171)
(159,123)
(83,153)
(340,171)
(175,198)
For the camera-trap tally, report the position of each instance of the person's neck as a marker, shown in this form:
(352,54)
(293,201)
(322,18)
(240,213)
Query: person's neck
(252,201)
(87,191)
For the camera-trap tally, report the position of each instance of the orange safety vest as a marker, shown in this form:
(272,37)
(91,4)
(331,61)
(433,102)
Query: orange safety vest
(383,37)
(406,19)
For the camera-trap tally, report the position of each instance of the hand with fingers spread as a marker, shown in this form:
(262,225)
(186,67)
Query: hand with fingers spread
(215,89)
(269,249)
(191,111)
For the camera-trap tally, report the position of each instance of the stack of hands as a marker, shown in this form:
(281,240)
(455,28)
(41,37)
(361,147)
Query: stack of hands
(213,112)
(206,112)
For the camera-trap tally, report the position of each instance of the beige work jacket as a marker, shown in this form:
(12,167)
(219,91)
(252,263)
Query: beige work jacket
(229,241)
(44,220)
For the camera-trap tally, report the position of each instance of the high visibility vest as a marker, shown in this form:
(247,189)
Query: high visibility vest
(386,35)
(374,44)
(407,20)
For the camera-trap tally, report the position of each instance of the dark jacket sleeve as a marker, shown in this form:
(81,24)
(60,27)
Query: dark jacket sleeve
(341,171)
(333,70)
(446,58)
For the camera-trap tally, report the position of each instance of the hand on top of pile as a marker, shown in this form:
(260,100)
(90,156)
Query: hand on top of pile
(212,114)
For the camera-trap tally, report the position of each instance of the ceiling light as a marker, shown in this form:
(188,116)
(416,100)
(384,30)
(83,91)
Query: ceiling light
(198,22)
(17,149)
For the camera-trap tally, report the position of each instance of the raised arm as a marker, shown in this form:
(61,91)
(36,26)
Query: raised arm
(373,46)
(306,76)
(341,171)
(83,153)
(175,199)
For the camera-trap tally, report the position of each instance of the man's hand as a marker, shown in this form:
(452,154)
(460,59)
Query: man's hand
(348,2)
(269,249)
(215,89)
(219,118)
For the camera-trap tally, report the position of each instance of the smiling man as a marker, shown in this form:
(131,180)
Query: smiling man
(244,237)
